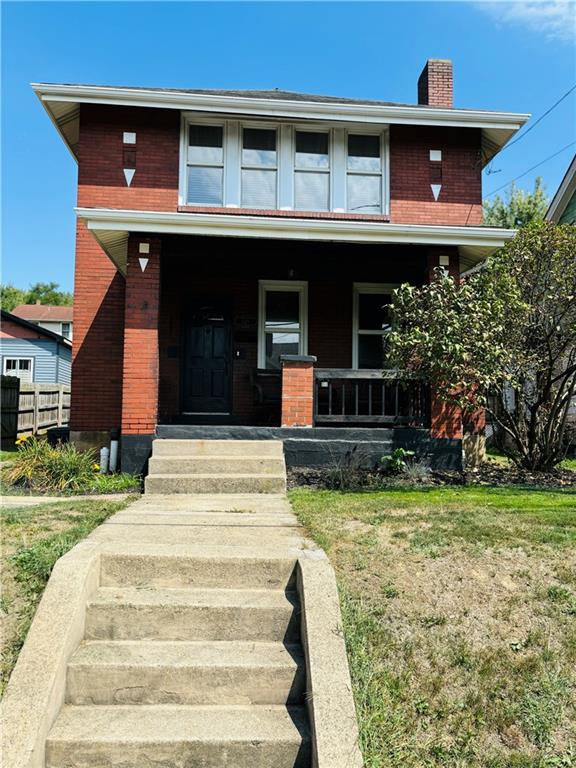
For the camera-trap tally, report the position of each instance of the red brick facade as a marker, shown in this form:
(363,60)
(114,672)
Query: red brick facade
(412,174)
(140,370)
(98,345)
(117,360)
(297,393)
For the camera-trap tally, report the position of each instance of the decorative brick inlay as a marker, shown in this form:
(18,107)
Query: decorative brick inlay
(298,392)
(140,384)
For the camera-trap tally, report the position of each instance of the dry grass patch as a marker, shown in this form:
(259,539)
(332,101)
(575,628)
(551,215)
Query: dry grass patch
(460,614)
(33,538)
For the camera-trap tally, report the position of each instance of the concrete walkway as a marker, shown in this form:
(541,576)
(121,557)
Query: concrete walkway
(18,500)
(193,627)
(195,631)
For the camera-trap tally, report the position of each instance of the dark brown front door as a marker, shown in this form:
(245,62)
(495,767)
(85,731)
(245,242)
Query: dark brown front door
(207,357)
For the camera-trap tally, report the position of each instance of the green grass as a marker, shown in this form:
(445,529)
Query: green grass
(468,515)
(459,609)
(8,455)
(498,458)
(33,540)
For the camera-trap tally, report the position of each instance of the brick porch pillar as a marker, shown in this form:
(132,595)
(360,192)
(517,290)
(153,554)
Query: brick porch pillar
(140,372)
(445,419)
(297,390)
(474,437)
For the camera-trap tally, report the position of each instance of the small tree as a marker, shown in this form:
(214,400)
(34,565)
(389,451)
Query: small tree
(48,293)
(44,293)
(518,209)
(509,328)
(10,296)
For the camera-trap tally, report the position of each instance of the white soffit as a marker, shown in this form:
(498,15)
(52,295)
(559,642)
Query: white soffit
(112,227)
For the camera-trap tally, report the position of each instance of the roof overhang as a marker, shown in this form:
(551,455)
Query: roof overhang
(62,102)
(565,192)
(111,227)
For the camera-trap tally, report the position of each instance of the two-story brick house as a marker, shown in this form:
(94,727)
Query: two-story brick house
(236,250)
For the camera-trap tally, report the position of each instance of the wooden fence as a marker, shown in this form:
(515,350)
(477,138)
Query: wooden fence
(31,409)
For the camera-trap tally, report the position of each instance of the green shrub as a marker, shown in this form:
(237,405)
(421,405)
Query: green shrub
(396,462)
(40,467)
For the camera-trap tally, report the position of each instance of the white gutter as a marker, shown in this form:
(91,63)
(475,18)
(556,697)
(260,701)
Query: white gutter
(226,225)
(563,195)
(372,113)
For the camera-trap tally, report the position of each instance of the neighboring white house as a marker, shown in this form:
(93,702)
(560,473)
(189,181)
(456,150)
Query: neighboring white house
(57,319)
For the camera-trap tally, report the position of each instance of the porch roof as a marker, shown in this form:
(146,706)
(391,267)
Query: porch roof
(111,228)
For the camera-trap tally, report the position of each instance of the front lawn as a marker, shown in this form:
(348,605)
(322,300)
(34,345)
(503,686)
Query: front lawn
(459,606)
(33,539)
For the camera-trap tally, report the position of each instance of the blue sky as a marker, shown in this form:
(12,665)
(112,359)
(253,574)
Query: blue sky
(507,56)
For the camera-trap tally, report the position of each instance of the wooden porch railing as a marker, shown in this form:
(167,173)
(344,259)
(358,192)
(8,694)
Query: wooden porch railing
(343,396)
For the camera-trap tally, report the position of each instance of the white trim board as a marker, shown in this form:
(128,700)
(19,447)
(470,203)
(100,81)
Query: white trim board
(363,112)
(62,104)
(233,225)
(111,228)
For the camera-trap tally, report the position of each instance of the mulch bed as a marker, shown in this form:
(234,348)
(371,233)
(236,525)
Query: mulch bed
(489,474)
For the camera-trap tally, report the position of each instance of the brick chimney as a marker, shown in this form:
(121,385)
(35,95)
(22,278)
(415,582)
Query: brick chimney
(435,84)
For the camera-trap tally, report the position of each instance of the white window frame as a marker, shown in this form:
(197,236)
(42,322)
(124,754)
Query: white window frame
(359,288)
(184,164)
(329,171)
(19,359)
(383,173)
(292,286)
(279,136)
(285,154)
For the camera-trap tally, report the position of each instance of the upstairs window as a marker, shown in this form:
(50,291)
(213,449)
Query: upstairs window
(364,174)
(302,166)
(206,165)
(312,171)
(259,168)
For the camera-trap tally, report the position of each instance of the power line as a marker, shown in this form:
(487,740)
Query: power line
(519,138)
(530,169)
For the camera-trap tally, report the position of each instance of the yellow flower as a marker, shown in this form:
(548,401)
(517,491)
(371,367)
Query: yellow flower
(96,467)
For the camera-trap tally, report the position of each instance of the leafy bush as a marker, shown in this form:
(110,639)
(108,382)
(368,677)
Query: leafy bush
(40,467)
(396,462)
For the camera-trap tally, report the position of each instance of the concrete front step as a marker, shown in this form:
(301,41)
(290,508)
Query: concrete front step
(216,483)
(128,613)
(216,519)
(181,672)
(199,567)
(179,737)
(244,448)
(224,464)
(182,534)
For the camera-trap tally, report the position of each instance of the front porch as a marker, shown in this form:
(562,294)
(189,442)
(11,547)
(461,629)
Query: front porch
(251,339)
(230,311)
